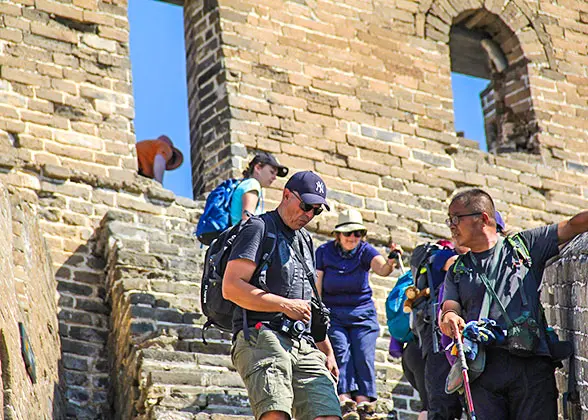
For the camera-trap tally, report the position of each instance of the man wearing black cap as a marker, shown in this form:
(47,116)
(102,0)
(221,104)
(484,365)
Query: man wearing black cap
(276,355)
(248,196)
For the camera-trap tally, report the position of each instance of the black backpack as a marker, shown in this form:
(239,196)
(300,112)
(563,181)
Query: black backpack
(425,308)
(217,309)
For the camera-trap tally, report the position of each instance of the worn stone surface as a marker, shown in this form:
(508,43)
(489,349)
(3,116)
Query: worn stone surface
(27,292)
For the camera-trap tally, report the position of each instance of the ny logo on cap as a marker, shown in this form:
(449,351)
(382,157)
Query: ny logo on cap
(320,187)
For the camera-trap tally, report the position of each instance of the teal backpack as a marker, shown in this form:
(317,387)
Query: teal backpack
(398,321)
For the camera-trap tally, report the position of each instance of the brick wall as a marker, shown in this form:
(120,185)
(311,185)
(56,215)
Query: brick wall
(162,365)
(27,292)
(211,150)
(565,299)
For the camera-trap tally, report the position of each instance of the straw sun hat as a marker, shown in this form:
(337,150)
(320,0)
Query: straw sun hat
(349,220)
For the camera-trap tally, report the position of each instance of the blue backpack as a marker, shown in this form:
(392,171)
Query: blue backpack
(216,217)
(398,321)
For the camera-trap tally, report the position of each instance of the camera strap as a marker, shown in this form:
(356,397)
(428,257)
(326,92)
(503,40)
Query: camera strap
(309,273)
(489,283)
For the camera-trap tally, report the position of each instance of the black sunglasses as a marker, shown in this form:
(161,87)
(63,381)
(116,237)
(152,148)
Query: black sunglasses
(454,220)
(305,207)
(356,233)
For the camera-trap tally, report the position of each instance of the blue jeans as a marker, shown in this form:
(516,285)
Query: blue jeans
(353,334)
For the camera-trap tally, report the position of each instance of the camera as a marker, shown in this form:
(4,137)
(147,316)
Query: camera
(293,329)
(320,319)
(320,313)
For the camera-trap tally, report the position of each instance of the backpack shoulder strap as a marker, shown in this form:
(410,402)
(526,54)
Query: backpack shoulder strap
(459,266)
(520,247)
(268,244)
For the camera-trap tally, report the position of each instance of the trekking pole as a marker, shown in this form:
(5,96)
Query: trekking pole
(400,264)
(466,379)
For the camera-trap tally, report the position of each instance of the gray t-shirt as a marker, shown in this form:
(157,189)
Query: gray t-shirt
(285,275)
(468,290)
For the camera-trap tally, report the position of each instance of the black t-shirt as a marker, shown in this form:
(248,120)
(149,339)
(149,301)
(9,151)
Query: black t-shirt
(285,275)
(468,289)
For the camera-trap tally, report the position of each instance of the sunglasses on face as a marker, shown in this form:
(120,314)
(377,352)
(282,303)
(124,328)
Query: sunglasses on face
(356,233)
(305,207)
(454,220)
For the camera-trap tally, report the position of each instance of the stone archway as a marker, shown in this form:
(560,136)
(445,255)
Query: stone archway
(518,16)
(500,45)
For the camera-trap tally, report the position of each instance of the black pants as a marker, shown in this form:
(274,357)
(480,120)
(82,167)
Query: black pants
(442,406)
(515,388)
(413,366)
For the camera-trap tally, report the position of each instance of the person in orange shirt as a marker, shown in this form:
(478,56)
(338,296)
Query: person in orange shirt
(156,156)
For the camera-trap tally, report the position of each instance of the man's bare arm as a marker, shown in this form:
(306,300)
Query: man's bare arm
(569,229)
(319,282)
(237,289)
(327,349)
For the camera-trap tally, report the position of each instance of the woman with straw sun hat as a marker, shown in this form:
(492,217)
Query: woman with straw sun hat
(343,267)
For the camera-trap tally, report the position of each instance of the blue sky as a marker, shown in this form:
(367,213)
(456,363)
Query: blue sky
(159,85)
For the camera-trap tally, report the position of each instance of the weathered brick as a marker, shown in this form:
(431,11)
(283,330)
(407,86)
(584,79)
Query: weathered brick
(54,32)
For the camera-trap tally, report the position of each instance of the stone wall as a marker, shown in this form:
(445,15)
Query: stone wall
(28,295)
(161,367)
(565,298)
(360,92)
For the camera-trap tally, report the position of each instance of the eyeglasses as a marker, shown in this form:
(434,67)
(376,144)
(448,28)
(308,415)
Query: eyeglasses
(305,207)
(454,220)
(356,233)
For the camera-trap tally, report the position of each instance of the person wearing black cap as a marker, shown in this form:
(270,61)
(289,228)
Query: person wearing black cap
(156,156)
(281,351)
(248,196)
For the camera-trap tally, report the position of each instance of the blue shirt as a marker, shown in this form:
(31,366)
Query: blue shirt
(346,277)
(439,260)
(247,185)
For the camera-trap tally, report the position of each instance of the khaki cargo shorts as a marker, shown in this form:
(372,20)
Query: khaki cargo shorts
(286,375)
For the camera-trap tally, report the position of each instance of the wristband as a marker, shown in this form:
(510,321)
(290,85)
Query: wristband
(393,255)
(448,311)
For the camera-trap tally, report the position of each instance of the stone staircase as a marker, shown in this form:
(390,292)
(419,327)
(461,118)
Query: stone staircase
(161,367)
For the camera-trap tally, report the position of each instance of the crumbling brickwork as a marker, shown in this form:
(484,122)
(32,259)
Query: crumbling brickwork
(27,291)
(564,293)
(358,91)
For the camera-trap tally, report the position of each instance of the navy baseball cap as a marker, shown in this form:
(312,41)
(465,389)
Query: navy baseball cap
(500,225)
(310,186)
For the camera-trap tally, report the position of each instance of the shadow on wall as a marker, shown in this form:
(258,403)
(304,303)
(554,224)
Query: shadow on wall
(83,327)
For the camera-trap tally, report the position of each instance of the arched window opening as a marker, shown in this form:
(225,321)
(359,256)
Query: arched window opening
(483,47)
(158,58)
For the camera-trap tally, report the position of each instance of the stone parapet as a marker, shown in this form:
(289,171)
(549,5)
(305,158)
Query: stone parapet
(27,292)
(156,344)
(565,298)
